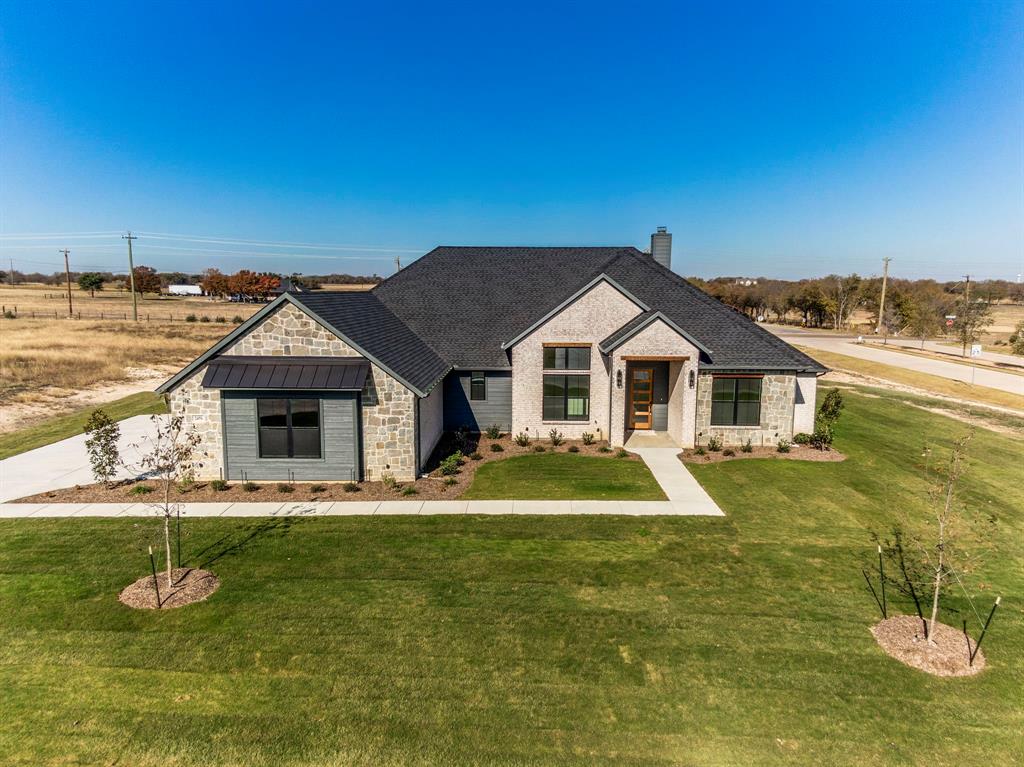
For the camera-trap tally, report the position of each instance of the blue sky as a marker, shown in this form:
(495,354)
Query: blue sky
(772,139)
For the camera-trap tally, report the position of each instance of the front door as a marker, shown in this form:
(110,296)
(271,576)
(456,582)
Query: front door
(641,395)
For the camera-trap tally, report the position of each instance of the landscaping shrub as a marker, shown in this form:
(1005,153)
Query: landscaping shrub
(493,431)
(284,487)
(317,489)
(497,448)
(475,456)
(729,452)
(237,320)
(747,447)
(587,437)
(219,485)
(141,490)
(451,464)
(573,449)
(460,438)
(714,444)
(556,437)
(522,439)
(825,421)
(449,481)
(388,480)
(803,438)
(604,449)
(621,454)
(783,446)
(185,486)
(538,448)
(409,490)
(204,318)
(350,487)
(700,450)
(250,487)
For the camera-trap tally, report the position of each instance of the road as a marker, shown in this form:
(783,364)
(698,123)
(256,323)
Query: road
(839,344)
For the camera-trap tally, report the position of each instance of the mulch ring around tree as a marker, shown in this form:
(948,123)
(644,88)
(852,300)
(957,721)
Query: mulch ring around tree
(188,585)
(902,637)
(796,453)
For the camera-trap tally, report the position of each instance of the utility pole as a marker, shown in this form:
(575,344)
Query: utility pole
(67,273)
(881,303)
(966,310)
(131,275)
(12,272)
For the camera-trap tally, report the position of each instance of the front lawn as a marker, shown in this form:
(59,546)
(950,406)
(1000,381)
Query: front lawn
(585,640)
(554,476)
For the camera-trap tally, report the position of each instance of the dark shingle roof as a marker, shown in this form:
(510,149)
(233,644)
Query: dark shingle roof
(465,302)
(368,323)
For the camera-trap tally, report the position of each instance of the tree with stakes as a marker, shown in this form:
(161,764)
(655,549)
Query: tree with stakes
(168,457)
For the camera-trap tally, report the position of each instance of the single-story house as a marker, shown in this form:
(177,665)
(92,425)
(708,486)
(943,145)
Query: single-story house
(605,340)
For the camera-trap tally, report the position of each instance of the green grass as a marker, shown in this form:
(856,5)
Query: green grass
(553,476)
(62,427)
(452,640)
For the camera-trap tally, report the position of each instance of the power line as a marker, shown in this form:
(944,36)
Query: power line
(271,244)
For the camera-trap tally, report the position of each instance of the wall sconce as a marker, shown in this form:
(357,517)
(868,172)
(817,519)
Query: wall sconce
(618,378)
(693,379)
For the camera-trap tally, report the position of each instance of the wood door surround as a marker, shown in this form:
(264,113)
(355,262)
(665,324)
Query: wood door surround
(641,397)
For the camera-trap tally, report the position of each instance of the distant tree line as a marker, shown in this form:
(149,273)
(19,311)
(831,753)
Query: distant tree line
(154,281)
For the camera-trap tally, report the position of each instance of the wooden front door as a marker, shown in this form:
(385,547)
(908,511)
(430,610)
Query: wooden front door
(641,395)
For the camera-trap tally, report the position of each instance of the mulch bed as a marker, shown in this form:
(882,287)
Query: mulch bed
(429,488)
(902,637)
(188,585)
(796,453)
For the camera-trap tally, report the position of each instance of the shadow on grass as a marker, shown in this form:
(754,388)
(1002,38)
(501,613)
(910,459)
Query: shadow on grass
(236,542)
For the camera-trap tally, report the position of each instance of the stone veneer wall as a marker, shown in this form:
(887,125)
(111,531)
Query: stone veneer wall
(778,392)
(388,407)
(590,319)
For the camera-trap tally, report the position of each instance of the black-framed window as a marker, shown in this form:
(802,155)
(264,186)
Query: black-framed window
(567,358)
(478,385)
(735,401)
(566,398)
(289,428)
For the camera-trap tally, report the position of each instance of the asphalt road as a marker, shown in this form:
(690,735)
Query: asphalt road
(838,344)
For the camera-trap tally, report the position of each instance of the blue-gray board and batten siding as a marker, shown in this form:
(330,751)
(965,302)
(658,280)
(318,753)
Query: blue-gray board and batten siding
(477,415)
(339,439)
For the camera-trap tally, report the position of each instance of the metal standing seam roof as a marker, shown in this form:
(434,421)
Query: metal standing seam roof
(237,372)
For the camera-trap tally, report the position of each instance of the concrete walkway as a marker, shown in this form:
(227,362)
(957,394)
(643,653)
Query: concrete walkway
(677,481)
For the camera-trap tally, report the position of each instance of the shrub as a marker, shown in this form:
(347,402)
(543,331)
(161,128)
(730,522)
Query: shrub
(221,320)
(729,452)
(460,438)
(621,453)
(700,451)
(497,448)
(284,487)
(522,439)
(587,437)
(350,487)
(449,481)
(409,490)
(556,437)
(237,319)
(783,446)
(747,447)
(822,436)
(714,444)
(493,431)
(190,318)
(186,485)
(317,489)
(9,315)
(475,456)
(825,421)
(573,449)
(388,480)
(204,318)
(803,438)
(250,487)
(538,448)
(141,490)
(101,445)
(219,485)
(604,449)
(451,464)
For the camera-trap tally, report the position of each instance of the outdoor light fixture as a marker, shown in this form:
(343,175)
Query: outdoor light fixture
(618,378)
(693,379)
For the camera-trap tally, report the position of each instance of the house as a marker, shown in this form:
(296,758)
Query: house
(605,340)
(287,285)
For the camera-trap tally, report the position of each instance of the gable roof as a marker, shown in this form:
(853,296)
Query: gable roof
(467,302)
(360,320)
(638,323)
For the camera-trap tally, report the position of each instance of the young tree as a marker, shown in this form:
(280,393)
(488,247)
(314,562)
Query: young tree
(91,281)
(168,457)
(101,445)
(146,280)
(825,421)
(1017,339)
(972,317)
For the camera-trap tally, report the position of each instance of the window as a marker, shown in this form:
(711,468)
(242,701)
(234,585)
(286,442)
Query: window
(289,428)
(567,358)
(477,385)
(736,402)
(566,398)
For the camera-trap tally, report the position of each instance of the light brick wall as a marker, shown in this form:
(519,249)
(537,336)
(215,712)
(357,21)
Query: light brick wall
(803,411)
(659,340)
(778,391)
(590,319)
(388,407)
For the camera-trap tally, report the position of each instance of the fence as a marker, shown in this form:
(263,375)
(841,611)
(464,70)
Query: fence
(46,314)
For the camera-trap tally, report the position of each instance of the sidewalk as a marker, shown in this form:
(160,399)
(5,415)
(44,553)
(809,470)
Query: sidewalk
(360,508)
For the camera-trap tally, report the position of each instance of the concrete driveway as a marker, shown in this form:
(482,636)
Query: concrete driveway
(64,463)
(838,344)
